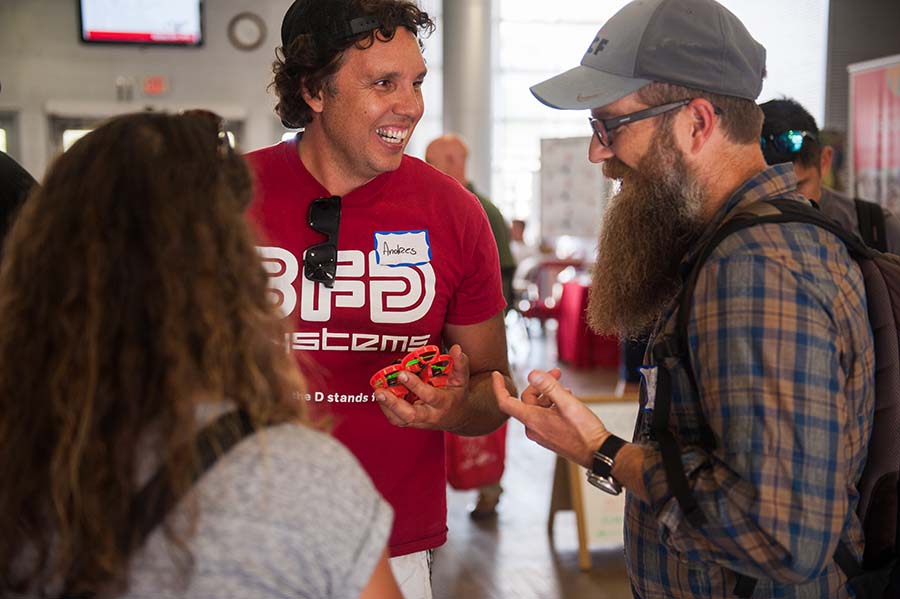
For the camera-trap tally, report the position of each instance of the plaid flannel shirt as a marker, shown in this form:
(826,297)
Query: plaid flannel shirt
(782,353)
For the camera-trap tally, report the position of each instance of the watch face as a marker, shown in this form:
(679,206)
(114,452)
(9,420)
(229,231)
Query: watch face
(604,484)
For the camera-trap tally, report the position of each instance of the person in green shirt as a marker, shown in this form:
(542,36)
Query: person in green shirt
(448,153)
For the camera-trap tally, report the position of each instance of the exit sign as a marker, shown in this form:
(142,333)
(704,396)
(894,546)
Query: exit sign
(155,85)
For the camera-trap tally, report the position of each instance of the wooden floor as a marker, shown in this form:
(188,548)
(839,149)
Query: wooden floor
(512,557)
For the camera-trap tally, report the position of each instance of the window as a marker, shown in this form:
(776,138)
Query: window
(432,123)
(538,39)
(70,136)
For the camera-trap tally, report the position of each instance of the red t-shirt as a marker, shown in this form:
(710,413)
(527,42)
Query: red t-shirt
(415,251)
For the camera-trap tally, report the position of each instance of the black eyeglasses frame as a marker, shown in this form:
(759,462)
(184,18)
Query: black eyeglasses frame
(603,128)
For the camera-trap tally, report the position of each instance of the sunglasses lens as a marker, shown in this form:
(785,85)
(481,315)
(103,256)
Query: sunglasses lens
(320,263)
(325,215)
(781,147)
(790,141)
(600,131)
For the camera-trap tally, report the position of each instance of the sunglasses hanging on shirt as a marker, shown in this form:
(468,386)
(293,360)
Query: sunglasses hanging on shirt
(320,260)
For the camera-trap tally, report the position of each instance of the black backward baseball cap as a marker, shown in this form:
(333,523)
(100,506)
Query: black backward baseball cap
(693,43)
(334,19)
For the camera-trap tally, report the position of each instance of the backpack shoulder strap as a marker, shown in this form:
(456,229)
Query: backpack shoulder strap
(153,502)
(150,506)
(871,224)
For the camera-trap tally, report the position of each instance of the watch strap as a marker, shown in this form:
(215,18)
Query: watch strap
(605,456)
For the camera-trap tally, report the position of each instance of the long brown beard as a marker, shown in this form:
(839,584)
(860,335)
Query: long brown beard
(647,228)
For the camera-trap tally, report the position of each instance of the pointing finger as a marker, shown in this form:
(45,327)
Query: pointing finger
(508,404)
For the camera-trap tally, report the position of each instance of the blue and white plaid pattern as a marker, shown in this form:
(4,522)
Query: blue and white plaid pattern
(782,353)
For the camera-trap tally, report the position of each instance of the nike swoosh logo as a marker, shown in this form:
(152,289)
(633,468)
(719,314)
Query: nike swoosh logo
(580,98)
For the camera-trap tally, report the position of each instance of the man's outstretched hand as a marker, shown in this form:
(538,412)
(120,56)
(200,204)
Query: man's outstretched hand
(553,417)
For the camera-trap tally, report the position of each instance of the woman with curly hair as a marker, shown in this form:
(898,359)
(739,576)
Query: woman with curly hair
(134,313)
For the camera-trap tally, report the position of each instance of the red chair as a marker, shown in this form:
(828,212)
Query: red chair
(540,288)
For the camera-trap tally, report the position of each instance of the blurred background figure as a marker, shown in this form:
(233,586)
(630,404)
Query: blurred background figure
(15,185)
(133,314)
(448,153)
(517,244)
(790,134)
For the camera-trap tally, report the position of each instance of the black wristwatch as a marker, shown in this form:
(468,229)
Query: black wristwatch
(600,474)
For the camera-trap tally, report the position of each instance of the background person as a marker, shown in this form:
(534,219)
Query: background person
(373,253)
(15,185)
(772,421)
(133,312)
(812,160)
(449,153)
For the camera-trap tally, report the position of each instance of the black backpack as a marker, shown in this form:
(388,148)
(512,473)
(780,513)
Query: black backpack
(871,224)
(879,574)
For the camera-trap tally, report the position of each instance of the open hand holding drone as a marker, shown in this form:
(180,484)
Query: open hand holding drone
(428,363)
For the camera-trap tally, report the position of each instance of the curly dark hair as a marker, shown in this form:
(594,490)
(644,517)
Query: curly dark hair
(130,292)
(310,60)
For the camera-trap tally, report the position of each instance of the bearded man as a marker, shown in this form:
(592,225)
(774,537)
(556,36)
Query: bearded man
(779,367)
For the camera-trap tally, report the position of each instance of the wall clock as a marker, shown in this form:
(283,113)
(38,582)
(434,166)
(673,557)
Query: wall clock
(246,31)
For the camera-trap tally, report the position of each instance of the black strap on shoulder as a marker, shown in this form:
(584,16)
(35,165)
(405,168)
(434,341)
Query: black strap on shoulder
(670,451)
(155,499)
(744,586)
(871,224)
(844,558)
(150,506)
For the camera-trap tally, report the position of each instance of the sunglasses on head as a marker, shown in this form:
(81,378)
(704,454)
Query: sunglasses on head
(224,144)
(785,144)
(320,260)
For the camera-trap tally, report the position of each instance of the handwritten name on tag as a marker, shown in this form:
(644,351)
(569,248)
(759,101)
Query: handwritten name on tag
(402,248)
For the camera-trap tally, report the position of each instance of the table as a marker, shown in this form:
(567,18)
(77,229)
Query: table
(577,345)
(599,517)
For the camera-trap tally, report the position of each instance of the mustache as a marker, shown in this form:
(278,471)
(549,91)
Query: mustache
(615,169)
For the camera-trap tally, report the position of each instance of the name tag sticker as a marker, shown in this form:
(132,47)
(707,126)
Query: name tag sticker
(402,248)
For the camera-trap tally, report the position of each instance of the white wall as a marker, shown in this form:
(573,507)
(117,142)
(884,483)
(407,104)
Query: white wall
(44,65)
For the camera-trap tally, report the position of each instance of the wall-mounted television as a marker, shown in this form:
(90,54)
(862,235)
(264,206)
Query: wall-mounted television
(145,22)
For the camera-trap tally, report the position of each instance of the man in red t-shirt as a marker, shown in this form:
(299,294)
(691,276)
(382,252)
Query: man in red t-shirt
(372,253)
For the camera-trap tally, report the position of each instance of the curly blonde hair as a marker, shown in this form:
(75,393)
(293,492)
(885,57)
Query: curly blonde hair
(131,289)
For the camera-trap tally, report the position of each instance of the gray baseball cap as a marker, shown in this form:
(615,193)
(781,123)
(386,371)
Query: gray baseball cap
(694,43)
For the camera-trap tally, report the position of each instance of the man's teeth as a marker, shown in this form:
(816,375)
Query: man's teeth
(393,136)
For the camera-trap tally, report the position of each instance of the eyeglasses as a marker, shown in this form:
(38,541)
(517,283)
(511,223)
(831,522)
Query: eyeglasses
(224,145)
(320,260)
(603,128)
(780,147)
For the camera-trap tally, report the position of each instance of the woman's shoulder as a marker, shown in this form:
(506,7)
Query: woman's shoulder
(296,460)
